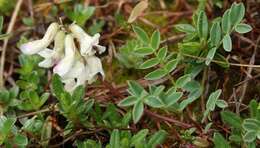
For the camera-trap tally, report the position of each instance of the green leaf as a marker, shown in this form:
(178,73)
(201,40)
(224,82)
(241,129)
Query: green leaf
(254,111)
(143,51)
(139,137)
(46,132)
(227,43)
(219,141)
(44,97)
(213,99)
(20,140)
(28,21)
(215,34)
(6,125)
(157,138)
(155,40)
(1,23)
(251,124)
(226,24)
(88,105)
(135,88)
(153,101)
(187,28)
(237,12)
(172,98)
(192,48)
(183,80)
(57,86)
(34,99)
(80,13)
(138,111)
(4,36)
(202,25)
(115,139)
(224,62)
(221,103)
(231,119)
(243,28)
(194,95)
(141,34)
(157,74)
(128,101)
(250,136)
(171,65)
(149,63)
(162,53)
(78,93)
(210,55)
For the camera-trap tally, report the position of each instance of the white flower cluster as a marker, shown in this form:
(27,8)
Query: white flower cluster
(75,67)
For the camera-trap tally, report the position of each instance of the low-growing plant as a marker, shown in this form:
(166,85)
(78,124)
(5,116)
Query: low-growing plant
(50,100)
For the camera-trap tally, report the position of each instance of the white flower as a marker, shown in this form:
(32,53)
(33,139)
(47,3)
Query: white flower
(38,45)
(94,67)
(53,56)
(86,41)
(80,73)
(67,62)
(70,85)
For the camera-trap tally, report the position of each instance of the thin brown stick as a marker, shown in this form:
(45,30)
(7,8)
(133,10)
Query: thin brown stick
(176,122)
(9,30)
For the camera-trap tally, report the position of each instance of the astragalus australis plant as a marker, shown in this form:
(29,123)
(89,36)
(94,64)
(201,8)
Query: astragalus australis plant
(75,66)
(135,86)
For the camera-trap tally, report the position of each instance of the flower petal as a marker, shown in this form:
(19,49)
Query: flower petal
(84,76)
(46,53)
(67,62)
(59,45)
(86,41)
(46,63)
(95,66)
(76,70)
(51,33)
(34,47)
(70,85)
(100,49)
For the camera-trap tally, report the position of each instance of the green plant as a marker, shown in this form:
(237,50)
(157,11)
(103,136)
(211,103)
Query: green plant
(212,102)
(125,139)
(158,98)
(2,36)
(80,13)
(30,78)
(9,134)
(72,106)
(165,61)
(204,38)
(8,98)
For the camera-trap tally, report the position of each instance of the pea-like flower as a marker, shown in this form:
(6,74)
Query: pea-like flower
(75,67)
(51,57)
(87,43)
(34,47)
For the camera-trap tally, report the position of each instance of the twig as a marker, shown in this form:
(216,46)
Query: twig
(249,71)
(9,30)
(220,62)
(176,122)
(52,107)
